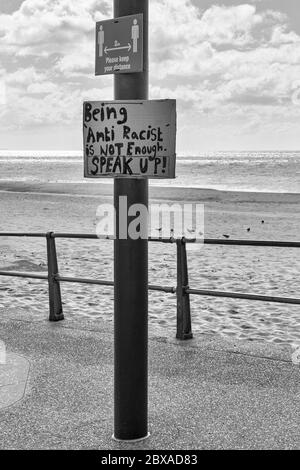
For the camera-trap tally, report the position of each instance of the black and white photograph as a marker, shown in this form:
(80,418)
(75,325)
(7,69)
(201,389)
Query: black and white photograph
(149,228)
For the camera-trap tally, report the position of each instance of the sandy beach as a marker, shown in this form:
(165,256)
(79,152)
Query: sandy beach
(56,207)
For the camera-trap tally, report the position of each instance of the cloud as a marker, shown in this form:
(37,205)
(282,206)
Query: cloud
(225,55)
(45,27)
(42,88)
(25,76)
(224,64)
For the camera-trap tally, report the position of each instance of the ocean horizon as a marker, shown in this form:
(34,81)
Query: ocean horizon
(266,172)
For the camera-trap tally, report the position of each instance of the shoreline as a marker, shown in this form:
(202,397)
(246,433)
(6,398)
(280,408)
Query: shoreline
(190,194)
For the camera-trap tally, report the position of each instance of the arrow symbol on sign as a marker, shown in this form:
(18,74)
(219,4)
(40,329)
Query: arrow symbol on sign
(108,49)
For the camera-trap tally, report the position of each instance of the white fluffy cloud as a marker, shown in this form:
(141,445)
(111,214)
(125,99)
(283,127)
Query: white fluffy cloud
(178,22)
(226,65)
(234,61)
(46,26)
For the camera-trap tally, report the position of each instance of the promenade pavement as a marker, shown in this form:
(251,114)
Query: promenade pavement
(56,389)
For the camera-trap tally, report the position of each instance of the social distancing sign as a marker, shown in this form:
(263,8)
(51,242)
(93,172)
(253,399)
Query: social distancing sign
(129,139)
(119,45)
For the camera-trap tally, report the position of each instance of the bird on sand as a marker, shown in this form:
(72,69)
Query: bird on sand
(248,229)
(262,221)
(226,236)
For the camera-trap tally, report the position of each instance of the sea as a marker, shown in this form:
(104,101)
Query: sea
(275,172)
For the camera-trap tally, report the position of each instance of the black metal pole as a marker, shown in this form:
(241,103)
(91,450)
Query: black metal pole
(55,303)
(131,274)
(184,323)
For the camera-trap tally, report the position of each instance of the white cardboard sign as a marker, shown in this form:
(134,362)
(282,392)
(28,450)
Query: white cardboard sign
(129,139)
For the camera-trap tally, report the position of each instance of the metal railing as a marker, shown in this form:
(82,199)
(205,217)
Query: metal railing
(182,289)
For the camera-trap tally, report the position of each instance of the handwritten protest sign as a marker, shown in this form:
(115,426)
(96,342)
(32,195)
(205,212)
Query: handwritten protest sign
(129,139)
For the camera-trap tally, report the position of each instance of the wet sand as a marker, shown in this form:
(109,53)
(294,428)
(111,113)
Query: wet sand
(156,191)
(244,269)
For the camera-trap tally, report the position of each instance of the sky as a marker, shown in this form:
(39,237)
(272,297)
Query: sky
(232,66)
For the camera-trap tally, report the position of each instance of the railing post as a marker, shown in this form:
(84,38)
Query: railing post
(184,324)
(55,304)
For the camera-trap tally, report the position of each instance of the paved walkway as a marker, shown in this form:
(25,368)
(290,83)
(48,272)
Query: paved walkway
(207,393)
